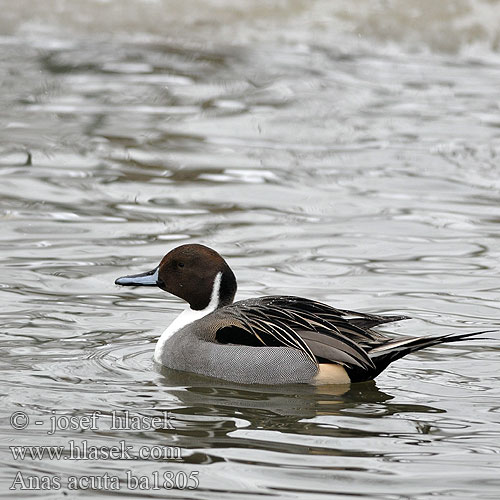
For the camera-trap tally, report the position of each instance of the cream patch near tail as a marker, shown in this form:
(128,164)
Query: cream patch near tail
(329,373)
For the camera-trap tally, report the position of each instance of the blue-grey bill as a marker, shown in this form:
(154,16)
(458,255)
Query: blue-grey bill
(149,278)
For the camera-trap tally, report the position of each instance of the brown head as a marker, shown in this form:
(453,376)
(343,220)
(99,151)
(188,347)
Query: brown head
(190,272)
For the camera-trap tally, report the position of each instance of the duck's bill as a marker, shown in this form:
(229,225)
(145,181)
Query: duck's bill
(149,278)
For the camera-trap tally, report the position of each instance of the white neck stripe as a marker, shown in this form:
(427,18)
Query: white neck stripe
(215,297)
(187,317)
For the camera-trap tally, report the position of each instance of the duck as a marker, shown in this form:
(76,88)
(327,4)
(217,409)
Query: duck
(271,340)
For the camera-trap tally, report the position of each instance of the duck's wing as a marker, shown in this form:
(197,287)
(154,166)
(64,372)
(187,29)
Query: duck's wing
(355,325)
(323,333)
(320,331)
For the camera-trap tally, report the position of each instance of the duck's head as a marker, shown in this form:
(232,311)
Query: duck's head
(195,273)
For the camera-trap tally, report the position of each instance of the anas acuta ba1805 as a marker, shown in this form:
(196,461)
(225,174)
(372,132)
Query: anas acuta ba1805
(268,340)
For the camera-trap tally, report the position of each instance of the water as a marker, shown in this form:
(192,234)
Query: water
(345,152)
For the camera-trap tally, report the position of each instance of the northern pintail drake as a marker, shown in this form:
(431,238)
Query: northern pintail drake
(268,340)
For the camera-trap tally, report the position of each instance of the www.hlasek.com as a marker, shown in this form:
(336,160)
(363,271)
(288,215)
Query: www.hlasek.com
(82,450)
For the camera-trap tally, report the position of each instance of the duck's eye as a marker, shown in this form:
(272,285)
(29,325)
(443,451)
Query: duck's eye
(180,264)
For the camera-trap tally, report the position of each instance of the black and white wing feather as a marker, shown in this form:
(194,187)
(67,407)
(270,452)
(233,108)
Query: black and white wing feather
(320,331)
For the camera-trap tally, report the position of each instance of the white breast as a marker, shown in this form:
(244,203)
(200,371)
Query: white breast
(186,317)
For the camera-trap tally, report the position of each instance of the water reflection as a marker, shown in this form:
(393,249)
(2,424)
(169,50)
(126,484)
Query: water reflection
(258,411)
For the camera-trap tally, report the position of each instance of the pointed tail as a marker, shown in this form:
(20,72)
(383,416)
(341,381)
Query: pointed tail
(385,354)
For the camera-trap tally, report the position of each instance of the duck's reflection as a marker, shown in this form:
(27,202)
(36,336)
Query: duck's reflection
(200,393)
(213,415)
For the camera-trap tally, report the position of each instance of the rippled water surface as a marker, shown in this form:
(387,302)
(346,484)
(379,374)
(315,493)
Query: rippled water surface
(348,154)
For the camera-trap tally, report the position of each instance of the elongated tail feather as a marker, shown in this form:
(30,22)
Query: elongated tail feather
(385,354)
